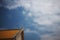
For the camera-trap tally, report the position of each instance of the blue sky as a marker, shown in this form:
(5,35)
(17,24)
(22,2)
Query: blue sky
(40,18)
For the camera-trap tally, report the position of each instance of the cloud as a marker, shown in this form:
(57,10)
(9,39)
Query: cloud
(10,4)
(51,37)
(31,31)
(31,34)
(42,12)
(46,37)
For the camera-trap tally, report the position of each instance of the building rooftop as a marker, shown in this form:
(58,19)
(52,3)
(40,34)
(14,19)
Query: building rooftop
(8,33)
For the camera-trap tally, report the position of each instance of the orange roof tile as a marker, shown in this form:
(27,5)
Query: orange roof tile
(8,33)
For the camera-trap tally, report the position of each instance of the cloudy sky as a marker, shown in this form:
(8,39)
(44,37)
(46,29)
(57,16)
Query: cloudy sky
(40,18)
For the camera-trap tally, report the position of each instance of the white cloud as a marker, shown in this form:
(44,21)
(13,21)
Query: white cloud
(31,31)
(10,4)
(46,37)
(55,36)
(43,12)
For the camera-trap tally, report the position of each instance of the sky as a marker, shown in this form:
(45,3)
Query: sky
(40,18)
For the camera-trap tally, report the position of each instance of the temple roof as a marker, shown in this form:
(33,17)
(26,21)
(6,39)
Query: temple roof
(8,33)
